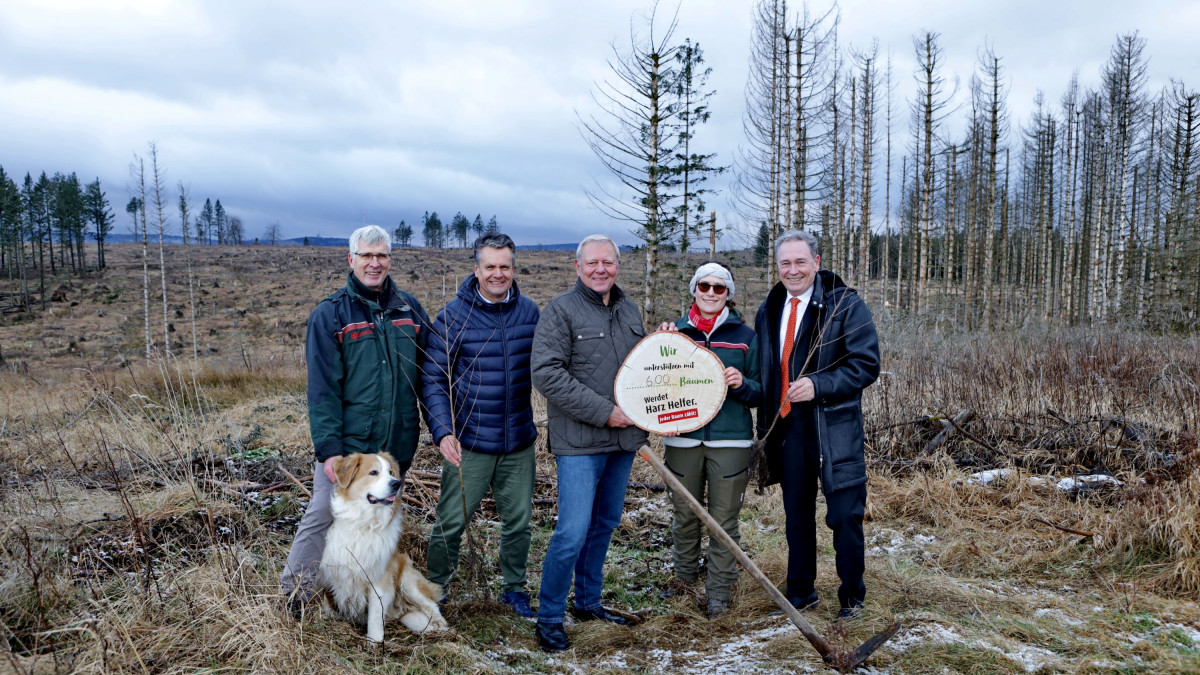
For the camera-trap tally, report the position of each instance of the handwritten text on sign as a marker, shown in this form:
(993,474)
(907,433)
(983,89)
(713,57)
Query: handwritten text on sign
(670,384)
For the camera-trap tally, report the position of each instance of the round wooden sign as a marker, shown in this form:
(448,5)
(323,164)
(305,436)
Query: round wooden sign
(670,383)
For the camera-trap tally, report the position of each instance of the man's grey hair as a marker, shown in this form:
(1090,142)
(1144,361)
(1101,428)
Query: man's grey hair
(597,239)
(495,240)
(798,235)
(370,235)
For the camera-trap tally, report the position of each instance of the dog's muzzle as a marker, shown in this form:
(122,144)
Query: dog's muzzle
(395,486)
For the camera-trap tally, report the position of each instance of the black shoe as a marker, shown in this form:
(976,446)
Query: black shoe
(802,604)
(806,603)
(551,637)
(598,613)
(519,601)
(848,613)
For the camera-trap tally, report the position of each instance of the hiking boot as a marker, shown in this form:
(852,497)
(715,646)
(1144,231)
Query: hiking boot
(716,607)
(679,587)
(295,600)
(551,637)
(519,602)
(598,613)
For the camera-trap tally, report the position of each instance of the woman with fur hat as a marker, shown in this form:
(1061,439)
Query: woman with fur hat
(718,454)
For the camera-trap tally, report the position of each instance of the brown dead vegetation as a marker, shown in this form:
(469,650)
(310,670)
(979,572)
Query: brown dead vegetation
(145,507)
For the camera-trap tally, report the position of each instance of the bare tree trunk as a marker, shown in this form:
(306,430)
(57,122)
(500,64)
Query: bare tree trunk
(887,198)
(900,260)
(184,212)
(712,234)
(139,175)
(162,226)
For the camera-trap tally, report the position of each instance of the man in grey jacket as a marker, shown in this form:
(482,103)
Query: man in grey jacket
(581,340)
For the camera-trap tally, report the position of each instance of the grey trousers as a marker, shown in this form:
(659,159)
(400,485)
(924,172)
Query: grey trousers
(724,470)
(303,561)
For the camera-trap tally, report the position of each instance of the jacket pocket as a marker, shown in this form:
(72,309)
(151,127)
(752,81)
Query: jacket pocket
(585,352)
(844,433)
(585,436)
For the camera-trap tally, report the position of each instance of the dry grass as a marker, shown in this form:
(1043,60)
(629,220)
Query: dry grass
(144,516)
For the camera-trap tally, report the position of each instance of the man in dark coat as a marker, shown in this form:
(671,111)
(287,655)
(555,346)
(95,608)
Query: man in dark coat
(477,390)
(364,350)
(819,350)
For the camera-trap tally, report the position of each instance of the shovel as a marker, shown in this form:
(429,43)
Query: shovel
(842,660)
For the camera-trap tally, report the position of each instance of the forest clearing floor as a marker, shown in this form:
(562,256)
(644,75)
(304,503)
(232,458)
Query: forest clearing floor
(146,507)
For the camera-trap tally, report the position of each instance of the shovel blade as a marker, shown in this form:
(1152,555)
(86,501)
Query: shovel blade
(851,660)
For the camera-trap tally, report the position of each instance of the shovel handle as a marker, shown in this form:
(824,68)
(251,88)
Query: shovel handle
(715,530)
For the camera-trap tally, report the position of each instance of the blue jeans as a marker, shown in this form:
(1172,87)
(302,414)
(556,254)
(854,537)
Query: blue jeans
(591,497)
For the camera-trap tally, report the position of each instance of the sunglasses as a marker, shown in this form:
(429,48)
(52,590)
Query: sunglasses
(704,287)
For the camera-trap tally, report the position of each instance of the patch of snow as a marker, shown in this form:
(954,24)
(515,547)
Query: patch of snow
(886,542)
(1190,631)
(986,478)
(1078,483)
(930,633)
(740,655)
(1130,639)
(1057,615)
(1032,659)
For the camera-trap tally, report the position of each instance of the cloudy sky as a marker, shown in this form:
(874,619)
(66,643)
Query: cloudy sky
(323,116)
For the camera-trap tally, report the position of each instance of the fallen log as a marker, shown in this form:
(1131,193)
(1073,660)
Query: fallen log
(949,426)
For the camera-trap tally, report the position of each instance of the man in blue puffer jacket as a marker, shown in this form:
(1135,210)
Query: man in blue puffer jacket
(476,385)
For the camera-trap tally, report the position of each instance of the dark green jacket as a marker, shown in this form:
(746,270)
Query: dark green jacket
(737,346)
(364,372)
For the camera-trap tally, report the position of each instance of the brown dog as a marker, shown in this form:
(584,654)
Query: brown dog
(364,573)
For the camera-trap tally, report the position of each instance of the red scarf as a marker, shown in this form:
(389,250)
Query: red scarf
(704,325)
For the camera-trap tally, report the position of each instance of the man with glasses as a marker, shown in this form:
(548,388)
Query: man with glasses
(364,351)
(818,351)
(581,340)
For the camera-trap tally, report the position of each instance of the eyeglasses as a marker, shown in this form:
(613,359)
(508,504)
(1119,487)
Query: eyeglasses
(704,287)
(375,257)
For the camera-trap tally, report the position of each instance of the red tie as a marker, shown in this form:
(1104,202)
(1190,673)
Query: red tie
(785,406)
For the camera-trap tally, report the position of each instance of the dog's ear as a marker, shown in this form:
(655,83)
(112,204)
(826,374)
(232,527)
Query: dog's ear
(347,468)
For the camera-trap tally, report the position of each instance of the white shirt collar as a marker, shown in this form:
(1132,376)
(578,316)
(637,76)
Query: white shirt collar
(805,296)
(507,295)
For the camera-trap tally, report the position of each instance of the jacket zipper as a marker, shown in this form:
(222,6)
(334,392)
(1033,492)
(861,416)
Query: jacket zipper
(707,345)
(504,350)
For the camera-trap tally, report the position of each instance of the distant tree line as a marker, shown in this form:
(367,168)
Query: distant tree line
(44,225)
(214,226)
(1088,211)
(439,235)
